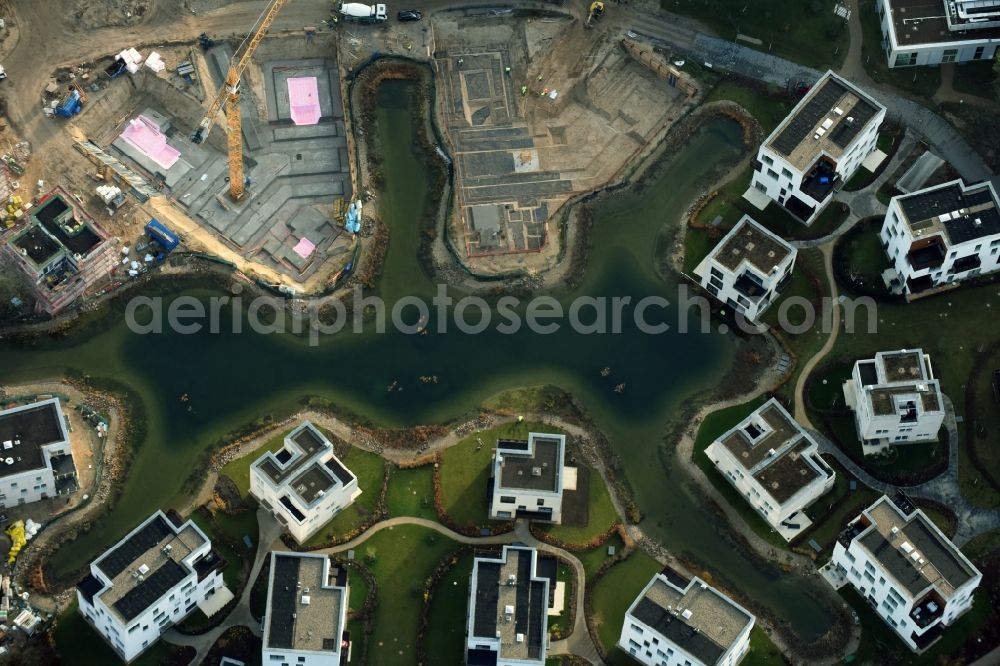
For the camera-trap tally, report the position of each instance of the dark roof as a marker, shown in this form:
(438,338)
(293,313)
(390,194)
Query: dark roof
(932,26)
(339,471)
(818,105)
(868,372)
(285,577)
(978,202)
(311,444)
(287,503)
(89,586)
(311,482)
(146,593)
(125,554)
(35,427)
(530,600)
(677,632)
(539,471)
(487,598)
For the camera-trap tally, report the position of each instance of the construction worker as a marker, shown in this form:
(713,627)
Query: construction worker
(507,70)
(524,90)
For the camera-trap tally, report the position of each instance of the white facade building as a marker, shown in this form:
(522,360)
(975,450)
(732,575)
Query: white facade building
(942,235)
(932,32)
(775,464)
(906,569)
(748,268)
(305,623)
(304,484)
(149,581)
(36,459)
(528,478)
(818,147)
(674,622)
(507,623)
(896,399)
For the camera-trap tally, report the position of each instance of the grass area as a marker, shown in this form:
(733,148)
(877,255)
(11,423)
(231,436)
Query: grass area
(987,416)
(74,636)
(975,78)
(613,594)
(238,469)
(921,82)
(411,493)
(979,128)
(888,142)
(465,471)
(445,638)
(831,513)
(730,206)
(233,527)
(402,558)
(881,645)
(358,586)
(953,326)
(763,651)
(806,32)
(714,425)
(826,390)
(370,470)
(982,544)
(769,108)
(566,576)
(860,260)
(593,558)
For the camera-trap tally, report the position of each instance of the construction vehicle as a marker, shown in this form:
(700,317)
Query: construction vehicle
(596,12)
(70,106)
(357,11)
(229,94)
(205,42)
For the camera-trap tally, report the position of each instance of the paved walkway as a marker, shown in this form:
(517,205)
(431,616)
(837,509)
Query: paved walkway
(945,488)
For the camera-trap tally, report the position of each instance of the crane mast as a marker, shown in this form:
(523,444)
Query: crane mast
(229,95)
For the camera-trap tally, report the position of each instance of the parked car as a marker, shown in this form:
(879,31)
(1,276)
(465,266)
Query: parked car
(409,15)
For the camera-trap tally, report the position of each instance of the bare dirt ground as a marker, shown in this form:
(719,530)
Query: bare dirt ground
(90,14)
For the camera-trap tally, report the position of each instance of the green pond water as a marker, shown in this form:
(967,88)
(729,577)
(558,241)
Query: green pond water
(234,378)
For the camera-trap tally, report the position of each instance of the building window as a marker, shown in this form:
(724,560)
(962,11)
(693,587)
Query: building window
(786,173)
(766,160)
(905,59)
(507,499)
(950,55)
(978,55)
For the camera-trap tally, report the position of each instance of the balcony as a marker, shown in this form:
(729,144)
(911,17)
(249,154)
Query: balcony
(821,180)
(927,611)
(799,208)
(929,253)
(966,264)
(750,285)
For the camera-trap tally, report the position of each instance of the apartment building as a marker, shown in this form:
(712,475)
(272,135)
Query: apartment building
(60,253)
(678,622)
(36,459)
(942,235)
(775,464)
(528,477)
(149,581)
(818,147)
(911,574)
(748,268)
(303,484)
(305,623)
(896,399)
(509,598)
(935,32)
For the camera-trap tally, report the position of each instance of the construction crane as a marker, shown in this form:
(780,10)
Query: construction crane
(229,94)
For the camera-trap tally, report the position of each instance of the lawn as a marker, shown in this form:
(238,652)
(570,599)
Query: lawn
(401,558)
(826,386)
(370,470)
(465,471)
(358,586)
(763,651)
(987,416)
(233,573)
(919,82)
(80,644)
(445,638)
(860,259)
(411,492)
(952,326)
(831,513)
(975,78)
(238,469)
(769,108)
(595,557)
(806,31)
(614,593)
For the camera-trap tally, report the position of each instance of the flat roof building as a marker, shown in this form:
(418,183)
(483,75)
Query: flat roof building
(674,621)
(818,146)
(306,616)
(914,577)
(934,32)
(896,399)
(150,580)
(303,484)
(748,268)
(528,477)
(507,622)
(36,457)
(942,235)
(774,463)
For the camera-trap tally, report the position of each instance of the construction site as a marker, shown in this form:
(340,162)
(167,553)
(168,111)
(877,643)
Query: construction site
(239,149)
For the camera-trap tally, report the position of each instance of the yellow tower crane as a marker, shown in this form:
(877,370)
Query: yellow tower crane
(229,94)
